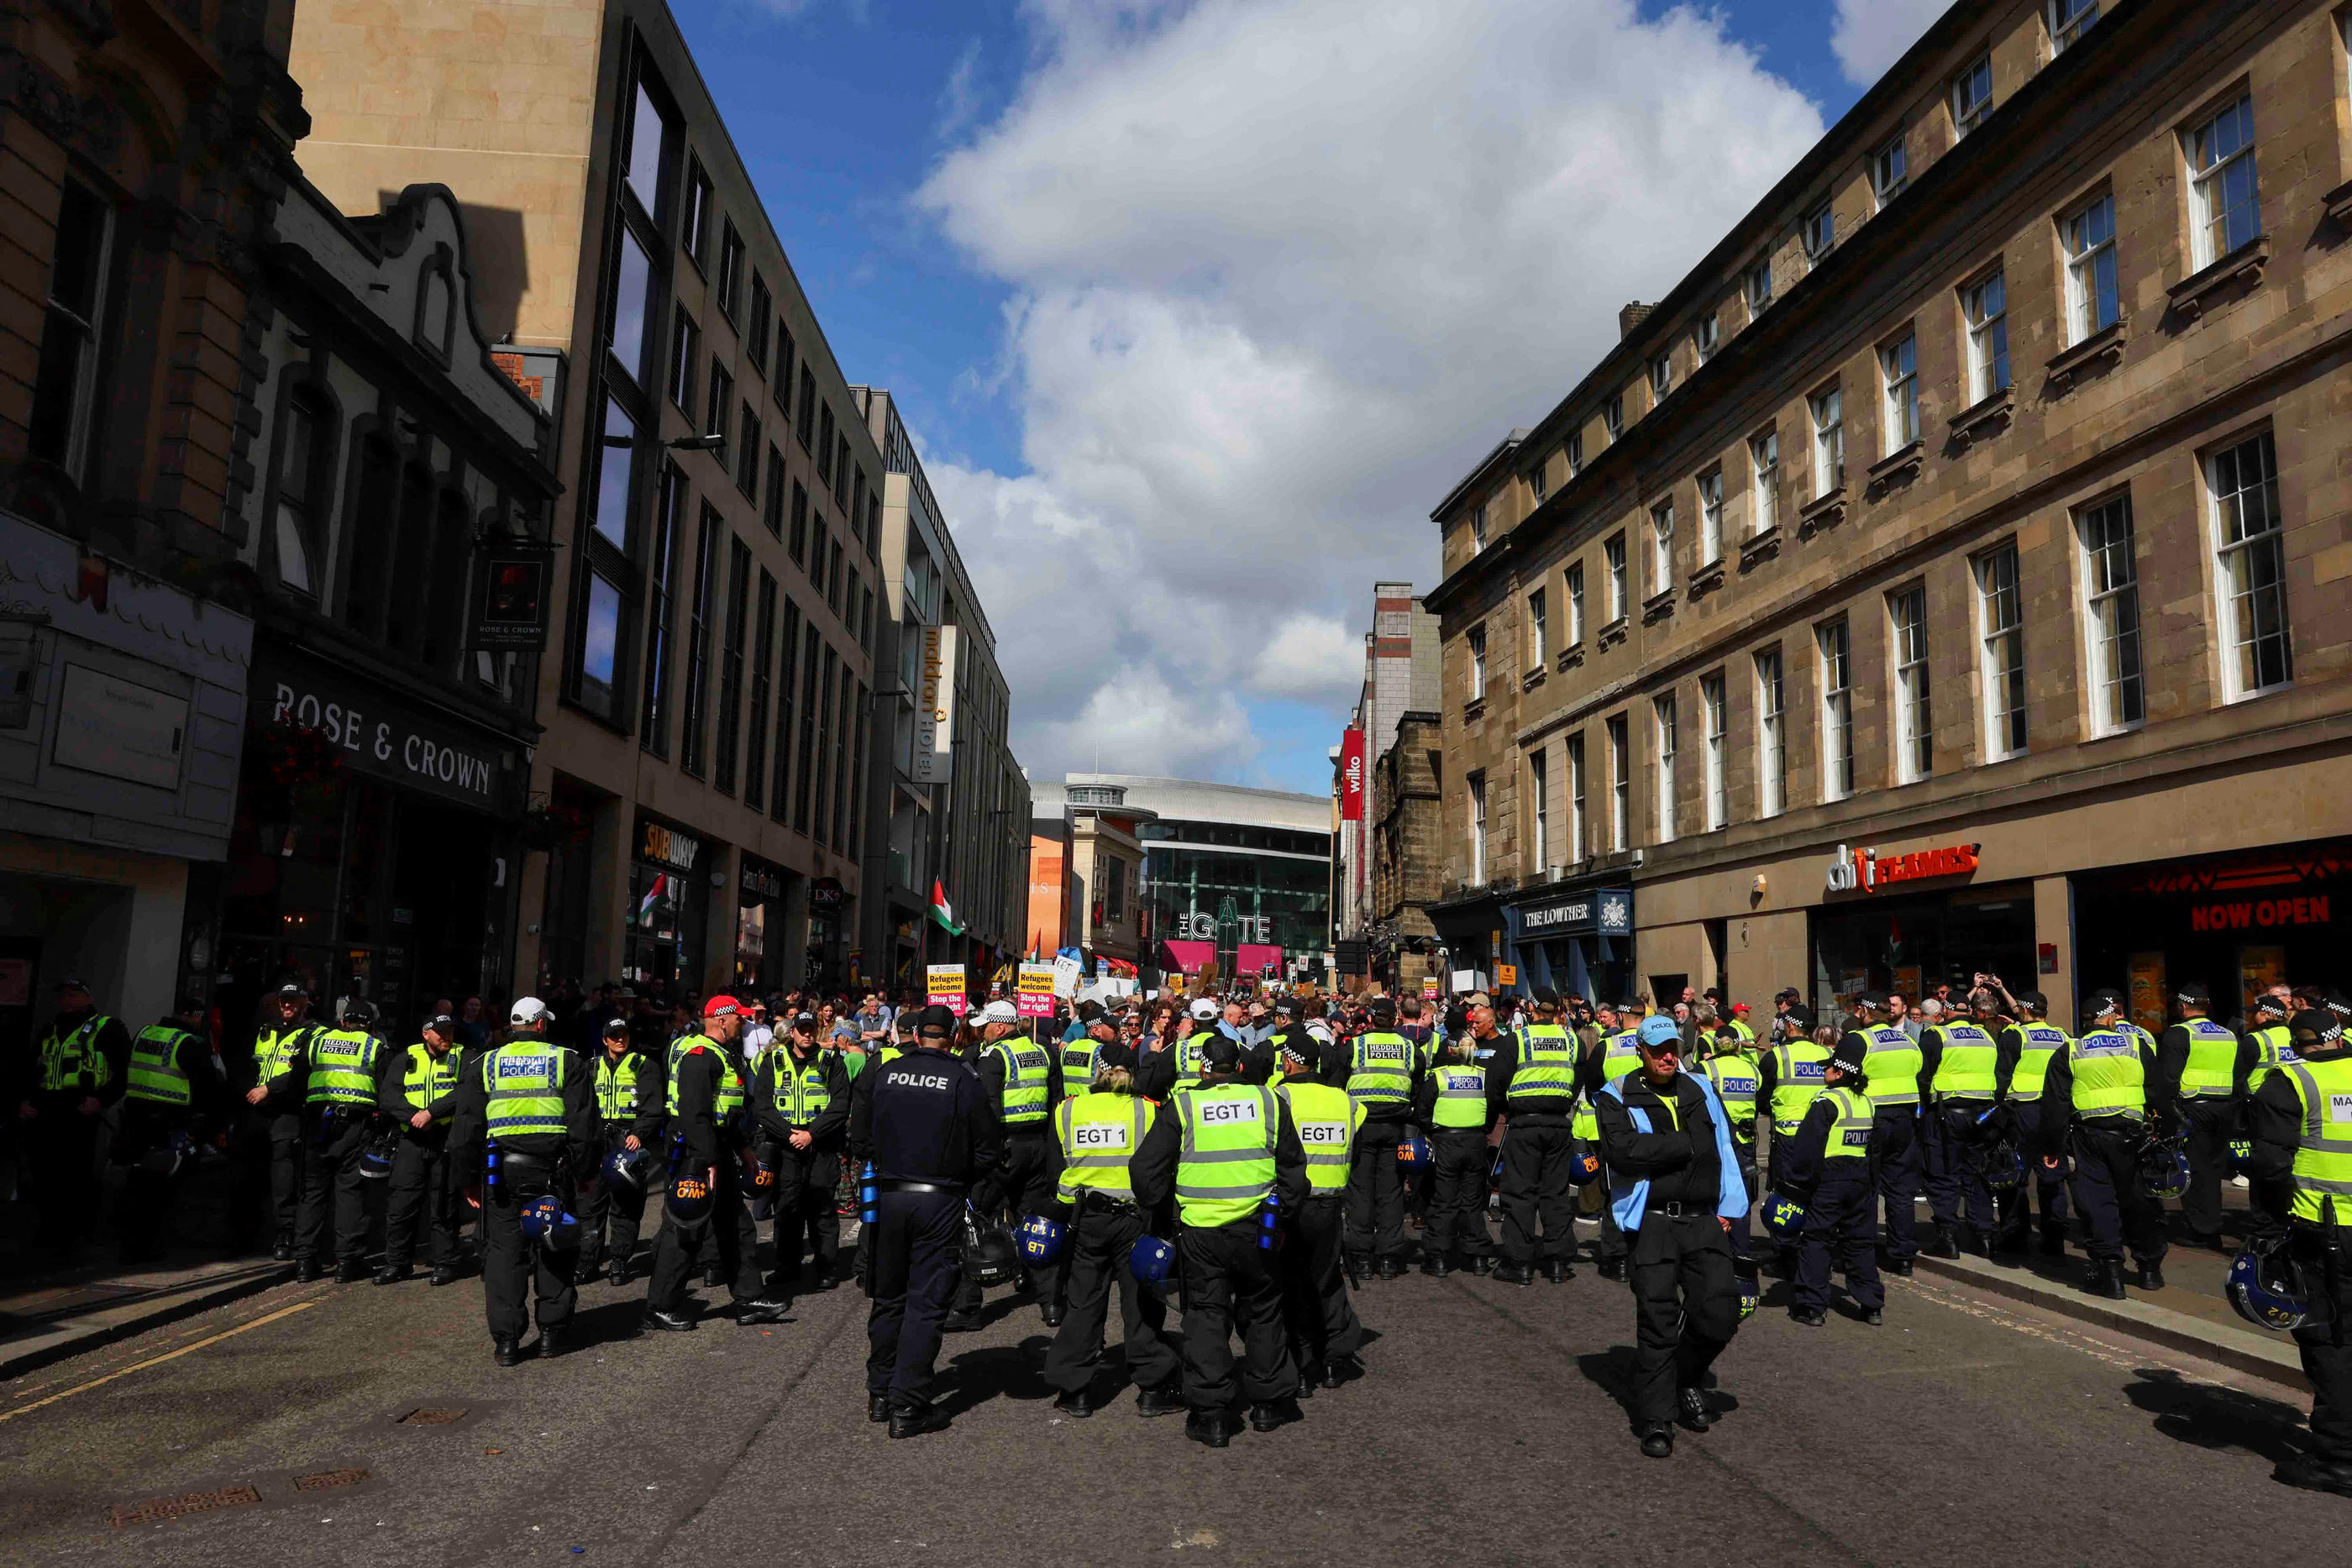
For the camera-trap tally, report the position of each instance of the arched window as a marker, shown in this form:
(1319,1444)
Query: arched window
(403,624)
(305,456)
(376,491)
(436,304)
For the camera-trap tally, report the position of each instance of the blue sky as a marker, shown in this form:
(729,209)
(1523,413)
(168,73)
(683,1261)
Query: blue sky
(1128,366)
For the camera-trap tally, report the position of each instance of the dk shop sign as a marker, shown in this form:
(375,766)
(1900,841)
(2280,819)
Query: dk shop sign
(1868,871)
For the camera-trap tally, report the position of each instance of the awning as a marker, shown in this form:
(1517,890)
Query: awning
(1252,958)
(1191,957)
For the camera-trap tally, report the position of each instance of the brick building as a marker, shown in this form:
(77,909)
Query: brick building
(1946,574)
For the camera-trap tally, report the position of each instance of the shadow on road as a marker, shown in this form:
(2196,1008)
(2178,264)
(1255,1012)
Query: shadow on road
(613,1321)
(1611,1371)
(2206,1416)
(1010,1371)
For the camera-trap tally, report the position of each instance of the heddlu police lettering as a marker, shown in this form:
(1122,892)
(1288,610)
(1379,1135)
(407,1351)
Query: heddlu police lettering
(907,1079)
(1385,1051)
(1229,1110)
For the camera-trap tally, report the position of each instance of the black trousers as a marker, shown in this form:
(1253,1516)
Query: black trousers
(331,1176)
(1536,1191)
(731,1230)
(2049,1185)
(1315,1305)
(805,1213)
(2209,1121)
(914,1279)
(1095,1246)
(1841,1233)
(1230,1286)
(612,1213)
(1955,1168)
(60,1171)
(289,1176)
(1375,1203)
(2326,1346)
(1028,1182)
(2107,1189)
(1895,1158)
(1686,1310)
(512,1266)
(1456,1224)
(145,1204)
(424,1190)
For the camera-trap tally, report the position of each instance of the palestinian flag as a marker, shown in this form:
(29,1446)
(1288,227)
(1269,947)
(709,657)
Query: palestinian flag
(940,912)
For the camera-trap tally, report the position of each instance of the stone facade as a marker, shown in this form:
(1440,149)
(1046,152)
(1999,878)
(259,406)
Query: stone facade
(1408,860)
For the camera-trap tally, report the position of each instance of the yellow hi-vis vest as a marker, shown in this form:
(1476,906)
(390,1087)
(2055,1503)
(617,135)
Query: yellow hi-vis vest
(620,1086)
(1893,1065)
(1849,1137)
(522,1085)
(2322,1177)
(1618,1058)
(2109,1078)
(1028,1080)
(1461,1095)
(2273,1048)
(2211,1070)
(1382,1070)
(1328,1119)
(1735,1082)
(155,1072)
(728,1099)
(1547,1066)
(799,1089)
(72,1060)
(1100,1134)
(1081,1059)
(2037,1043)
(343,1067)
(425,1078)
(1798,1069)
(1969,1067)
(1225,1169)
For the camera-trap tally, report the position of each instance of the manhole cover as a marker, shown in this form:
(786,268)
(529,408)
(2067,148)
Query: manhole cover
(163,1508)
(430,1417)
(319,1480)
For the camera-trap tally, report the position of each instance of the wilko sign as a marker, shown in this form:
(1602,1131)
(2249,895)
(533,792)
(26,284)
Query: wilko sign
(1352,776)
(1867,872)
(2262,913)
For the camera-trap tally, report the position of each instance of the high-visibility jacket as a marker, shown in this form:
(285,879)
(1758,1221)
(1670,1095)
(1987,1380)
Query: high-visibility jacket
(1798,1069)
(620,1086)
(1460,1098)
(424,1077)
(1100,1134)
(1224,1166)
(727,1100)
(1619,1057)
(1381,1072)
(1893,1065)
(800,1090)
(1547,1066)
(1189,1052)
(343,1067)
(2211,1073)
(2037,1043)
(1328,1119)
(155,1075)
(1735,1081)
(70,1059)
(1849,1137)
(2110,1080)
(1028,1081)
(2322,1177)
(1969,1067)
(274,1049)
(2273,1048)
(1081,1060)
(522,1086)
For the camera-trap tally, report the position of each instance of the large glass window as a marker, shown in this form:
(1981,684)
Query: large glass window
(1575,603)
(1764,481)
(1539,810)
(700,604)
(65,390)
(1475,643)
(300,437)
(1578,837)
(1914,730)
(2111,616)
(2221,183)
(1972,96)
(1620,785)
(1718,800)
(1538,629)
(1710,517)
(730,664)
(1477,785)
(2069,19)
(1828,440)
(599,649)
(624,325)
(1772,736)
(661,565)
(2250,542)
(1898,365)
(645,166)
(616,465)
(763,646)
(1669,749)
(1837,710)
(2089,236)
(1613,551)
(1985,303)
(2001,623)
(1661,547)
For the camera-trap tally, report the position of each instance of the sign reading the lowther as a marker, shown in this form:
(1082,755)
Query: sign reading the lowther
(381,735)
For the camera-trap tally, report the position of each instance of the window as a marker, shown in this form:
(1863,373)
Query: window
(1828,440)
(1478,527)
(730,664)
(2001,621)
(1538,799)
(746,449)
(2224,203)
(624,319)
(2111,616)
(643,165)
(1661,547)
(1985,304)
(1576,832)
(65,392)
(303,459)
(763,643)
(694,231)
(722,407)
(2069,19)
(1576,604)
(1614,553)
(685,355)
(1705,334)
(2089,234)
(812,671)
(798,544)
(600,645)
(1535,630)
(437,307)
(1574,448)
(787,655)
(1837,711)
(1477,785)
(1620,784)
(1536,485)
(617,459)
(1759,285)
(1477,642)
(1718,791)
(1972,96)
(833,577)
(763,319)
(1889,171)
(698,617)
(1662,377)
(1772,736)
(661,585)
(730,271)
(1764,482)
(780,383)
(824,446)
(1819,232)
(774,513)
(841,481)
(1915,731)
(1898,368)
(1612,418)
(806,422)
(1710,517)
(2251,560)
(1664,710)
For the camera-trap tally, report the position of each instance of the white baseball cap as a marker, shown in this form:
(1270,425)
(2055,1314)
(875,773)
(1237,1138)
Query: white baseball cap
(527,1009)
(1205,1007)
(999,1012)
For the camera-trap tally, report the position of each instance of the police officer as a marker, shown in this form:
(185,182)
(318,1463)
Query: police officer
(1222,1149)
(1383,1076)
(2271,1046)
(2204,1066)
(1180,1066)
(338,1075)
(1325,1338)
(172,1083)
(1450,1102)
(274,1131)
(1894,1064)
(2097,1099)
(1731,1068)
(1099,1128)
(1675,1185)
(1081,1058)
(2027,1049)
(79,1066)
(1532,1081)
(420,1096)
(1826,1167)
(2300,1123)
(628,1090)
(708,1138)
(800,1096)
(1606,1059)
(530,1100)
(1965,1089)
(1023,1078)
(861,1094)
(933,1131)
(1788,1077)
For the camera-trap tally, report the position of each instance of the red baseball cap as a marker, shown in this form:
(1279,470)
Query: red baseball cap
(1740,1007)
(718,1007)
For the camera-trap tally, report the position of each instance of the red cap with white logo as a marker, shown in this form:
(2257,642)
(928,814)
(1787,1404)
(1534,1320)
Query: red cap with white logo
(720,1006)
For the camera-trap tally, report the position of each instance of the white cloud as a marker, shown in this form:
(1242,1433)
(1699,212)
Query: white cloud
(1282,271)
(1871,35)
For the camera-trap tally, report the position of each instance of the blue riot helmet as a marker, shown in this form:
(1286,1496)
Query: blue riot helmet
(544,1222)
(1784,1217)
(1041,1240)
(629,1167)
(2004,1168)
(1151,1260)
(2163,1168)
(1413,1151)
(690,1200)
(2265,1286)
(1751,1295)
(1584,1168)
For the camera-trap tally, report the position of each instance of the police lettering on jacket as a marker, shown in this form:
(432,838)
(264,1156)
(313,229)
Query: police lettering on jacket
(907,1079)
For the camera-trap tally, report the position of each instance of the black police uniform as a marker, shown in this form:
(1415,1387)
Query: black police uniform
(269,1148)
(1099,1234)
(1898,1151)
(2107,1154)
(61,1143)
(806,1179)
(1841,1203)
(2024,1116)
(1326,1336)
(1373,1206)
(1455,1230)
(2207,1123)
(932,1133)
(333,1137)
(424,1184)
(2275,1126)
(532,1166)
(1028,1180)
(613,1213)
(148,1127)
(715,1144)
(1539,1187)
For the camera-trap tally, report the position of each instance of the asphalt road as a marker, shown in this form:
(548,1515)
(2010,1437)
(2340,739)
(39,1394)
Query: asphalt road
(1965,1430)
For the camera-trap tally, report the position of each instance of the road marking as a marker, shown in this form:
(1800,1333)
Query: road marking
(157,1360)
(1937,1369)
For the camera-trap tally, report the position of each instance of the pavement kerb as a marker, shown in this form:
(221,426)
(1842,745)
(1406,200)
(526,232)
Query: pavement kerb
(84,1331)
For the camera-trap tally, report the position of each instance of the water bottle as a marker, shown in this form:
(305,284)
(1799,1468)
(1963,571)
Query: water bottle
(494,1174)
(1270,1215)
(869,1196)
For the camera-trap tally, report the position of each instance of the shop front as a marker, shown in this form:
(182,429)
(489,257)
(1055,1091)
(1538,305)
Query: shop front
(1911,922)
(826,966)
(668,918)
(1578,943)
(761,890)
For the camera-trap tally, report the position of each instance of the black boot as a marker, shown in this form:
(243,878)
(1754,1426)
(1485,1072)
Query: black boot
(1483,1266)
(1212,1428)
(1435,1266)
(1516,1273)
(2053,1244)
(877,1408)
(553,1341)
(505,1349)
(307,1269)
(443,1274)
(2149,1276)
(1658,1443)
(1560,1271)
(1940,1243)
(1077,1402)
(668,1323)
(1265,1416)
(1339,1369)
(2106,1279)
(2316,1472)
(1165,1400)
(1692,1409)
(916,1422)
(1360,1270)
(392,1273)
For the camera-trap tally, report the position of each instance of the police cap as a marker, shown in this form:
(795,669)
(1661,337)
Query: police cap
(2267,1003)
(1546,997)
(2324,1030)
(615,1029)
(1849,1054)
(2105,1004)
(937,1020)
(1220,1051)
(1383,1009)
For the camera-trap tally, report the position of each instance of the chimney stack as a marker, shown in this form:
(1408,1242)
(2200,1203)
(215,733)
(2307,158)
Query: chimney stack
(1631,316)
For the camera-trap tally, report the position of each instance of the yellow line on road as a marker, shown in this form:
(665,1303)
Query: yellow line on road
(157,1360)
